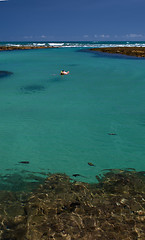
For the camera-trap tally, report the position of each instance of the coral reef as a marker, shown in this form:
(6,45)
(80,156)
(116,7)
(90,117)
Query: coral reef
(23,47)
(130,51)
(112,208)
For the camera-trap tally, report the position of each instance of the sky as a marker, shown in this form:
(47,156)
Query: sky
(72,20)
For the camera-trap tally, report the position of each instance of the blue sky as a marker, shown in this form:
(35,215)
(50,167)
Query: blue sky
(60,20)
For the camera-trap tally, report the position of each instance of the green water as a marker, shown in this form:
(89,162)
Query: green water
(60,123)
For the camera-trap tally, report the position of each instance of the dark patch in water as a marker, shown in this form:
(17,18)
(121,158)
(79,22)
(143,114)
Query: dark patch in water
(5,74)
(91,164)
(78,175)
(25,162)
(57,79)
(22,181)
(73,65)
(113,134)
(32,88)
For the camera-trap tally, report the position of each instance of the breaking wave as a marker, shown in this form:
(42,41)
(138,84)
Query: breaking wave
(79,44)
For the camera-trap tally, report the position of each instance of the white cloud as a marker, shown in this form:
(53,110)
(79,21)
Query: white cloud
(104,36)
(43,36)
(28,37)
(86,36)
(134,35)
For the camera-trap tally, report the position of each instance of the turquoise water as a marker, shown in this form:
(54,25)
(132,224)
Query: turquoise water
(60,123)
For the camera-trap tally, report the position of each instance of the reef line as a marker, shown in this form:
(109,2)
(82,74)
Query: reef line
(10,48)
(129,51)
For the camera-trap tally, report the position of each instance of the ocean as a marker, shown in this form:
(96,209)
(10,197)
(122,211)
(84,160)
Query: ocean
(58,124)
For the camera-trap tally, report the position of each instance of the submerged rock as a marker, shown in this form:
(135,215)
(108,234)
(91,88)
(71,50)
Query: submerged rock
(25,162)
(91,164)
(113,134)
(32,88)
(61,209)
(5,74)
(78,175)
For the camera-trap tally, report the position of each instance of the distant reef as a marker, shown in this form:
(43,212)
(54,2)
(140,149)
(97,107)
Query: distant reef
(129,51)
(10,48)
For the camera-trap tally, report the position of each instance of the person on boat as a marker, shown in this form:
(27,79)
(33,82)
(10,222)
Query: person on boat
(64,72)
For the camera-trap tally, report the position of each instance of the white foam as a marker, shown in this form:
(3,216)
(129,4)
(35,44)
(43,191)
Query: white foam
(56,44)
(14,45)
(82,44)
(39,44)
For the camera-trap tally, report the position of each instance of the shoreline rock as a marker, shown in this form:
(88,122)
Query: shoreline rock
(129,51)
(62,209)
(11,48)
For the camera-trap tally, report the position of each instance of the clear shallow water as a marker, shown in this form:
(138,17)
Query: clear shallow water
(60,123)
